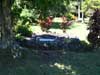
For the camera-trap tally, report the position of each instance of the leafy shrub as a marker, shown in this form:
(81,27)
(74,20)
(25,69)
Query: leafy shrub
(46,23)
(94,27)
(19,37)
(73,44)
(70,16)
(23,30)
(76,45)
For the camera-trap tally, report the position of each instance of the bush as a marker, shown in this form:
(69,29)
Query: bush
(70,16)
(23,30)
(19,37)
(94,27)
(76,45)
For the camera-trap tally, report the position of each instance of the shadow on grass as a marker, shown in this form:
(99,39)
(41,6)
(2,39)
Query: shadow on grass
(57,25)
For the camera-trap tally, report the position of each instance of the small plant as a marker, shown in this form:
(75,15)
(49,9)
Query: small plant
(46,24)
(19,37)
(23,30)
(70,16)
(65,23)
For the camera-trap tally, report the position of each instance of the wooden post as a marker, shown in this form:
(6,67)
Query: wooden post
(78,9)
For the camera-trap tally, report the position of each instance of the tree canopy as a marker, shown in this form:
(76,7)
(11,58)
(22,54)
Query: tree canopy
(42,7)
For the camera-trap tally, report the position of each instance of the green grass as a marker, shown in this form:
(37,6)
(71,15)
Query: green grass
(70,63)
(56,25)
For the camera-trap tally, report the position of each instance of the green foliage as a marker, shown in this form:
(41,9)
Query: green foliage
(90,4)
(23,30)
(22,12)
(49,7)
(76,45)
(69,16)
(19,37)
(43,8)
(72,7)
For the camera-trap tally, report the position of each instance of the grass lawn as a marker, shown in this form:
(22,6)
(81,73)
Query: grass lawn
(69,63)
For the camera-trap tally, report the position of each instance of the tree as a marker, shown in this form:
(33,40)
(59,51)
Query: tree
(90,4)
(46,7)
(94,27)
(6,27)
(6,31)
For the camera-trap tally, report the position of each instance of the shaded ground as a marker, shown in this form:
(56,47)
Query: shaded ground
(68,63)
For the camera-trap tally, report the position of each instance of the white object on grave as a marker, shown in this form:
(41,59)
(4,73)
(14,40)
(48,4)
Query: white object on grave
(43,39)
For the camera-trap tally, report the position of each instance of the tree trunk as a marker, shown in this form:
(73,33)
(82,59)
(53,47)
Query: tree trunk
(6,24)
(7,45)
(6,31)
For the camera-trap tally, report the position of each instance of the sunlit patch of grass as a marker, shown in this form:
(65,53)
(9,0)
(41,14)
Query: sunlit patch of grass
(36,29)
